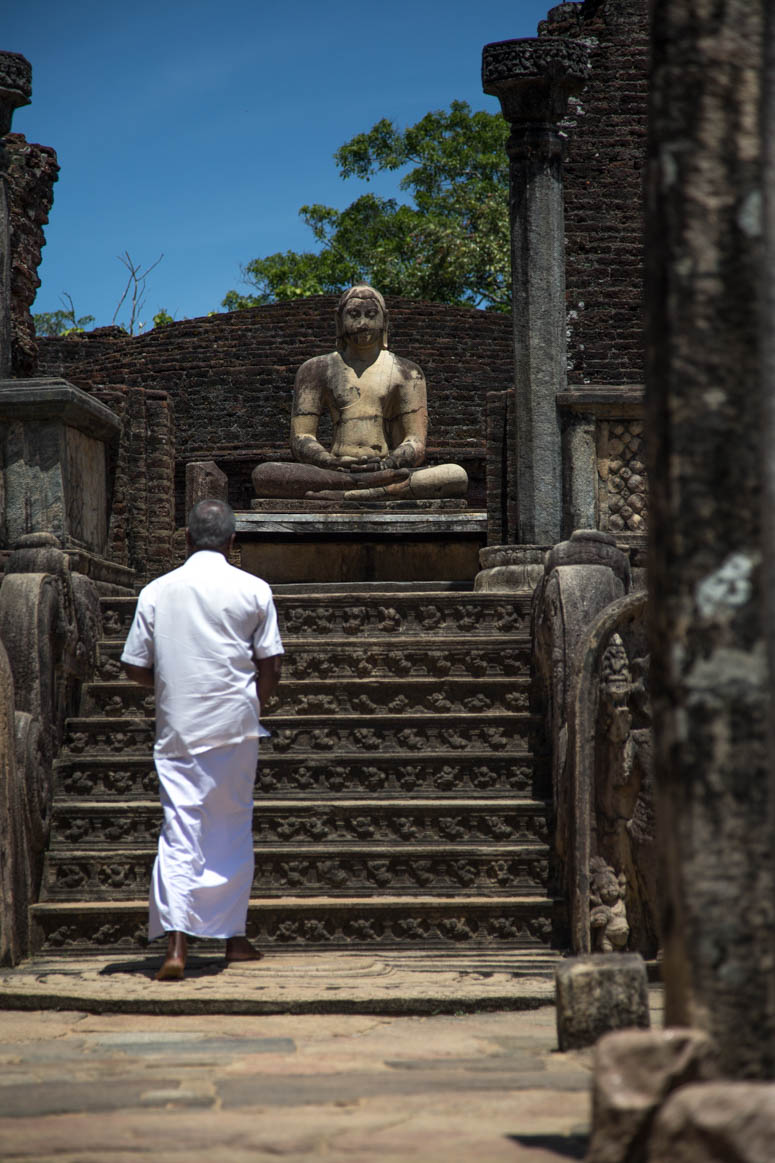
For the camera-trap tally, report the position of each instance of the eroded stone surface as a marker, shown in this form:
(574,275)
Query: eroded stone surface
(597,994)
(635,1071)
(718,1122)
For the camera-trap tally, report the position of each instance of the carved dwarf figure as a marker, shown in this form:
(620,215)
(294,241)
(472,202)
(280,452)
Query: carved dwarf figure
(608,915)
(378,407)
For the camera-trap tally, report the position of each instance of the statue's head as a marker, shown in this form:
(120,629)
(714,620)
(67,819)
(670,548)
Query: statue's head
(361,293)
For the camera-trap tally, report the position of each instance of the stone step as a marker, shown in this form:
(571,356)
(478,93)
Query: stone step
(369,614)
(80,873)
(410,735)
(84,823)
(353,696)
(503,655)
(440,774)
(351,922)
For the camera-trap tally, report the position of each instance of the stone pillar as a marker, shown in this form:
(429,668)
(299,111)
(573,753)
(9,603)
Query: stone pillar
(768,380)
(15,90)
(709,673)
(533,79)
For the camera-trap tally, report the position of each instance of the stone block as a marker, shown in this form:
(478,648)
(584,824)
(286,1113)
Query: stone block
(635,1070)
(205,482)
(53,457)
(716,1122)
(597,994)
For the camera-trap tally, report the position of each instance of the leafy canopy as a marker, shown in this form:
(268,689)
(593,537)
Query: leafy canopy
(451,244)
(65,321)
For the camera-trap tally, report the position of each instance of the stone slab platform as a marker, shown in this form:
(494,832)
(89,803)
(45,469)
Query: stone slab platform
(303,505)
(362,545)
(290,983)
(358,523)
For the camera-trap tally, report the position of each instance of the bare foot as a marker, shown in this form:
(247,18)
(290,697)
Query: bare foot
(240,949)
(175,962)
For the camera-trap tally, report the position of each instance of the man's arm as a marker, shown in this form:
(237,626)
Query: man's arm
(268,677)
(141,674)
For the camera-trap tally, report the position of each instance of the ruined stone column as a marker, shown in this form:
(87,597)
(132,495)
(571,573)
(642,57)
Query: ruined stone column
(710,680)
(533,79)
(15,90)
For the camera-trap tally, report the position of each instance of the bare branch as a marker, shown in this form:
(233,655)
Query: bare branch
(135,283)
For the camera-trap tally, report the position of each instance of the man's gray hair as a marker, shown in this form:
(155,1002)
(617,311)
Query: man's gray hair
(210,524)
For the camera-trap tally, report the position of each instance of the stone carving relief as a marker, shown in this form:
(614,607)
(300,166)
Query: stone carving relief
(399,927)
(621,466)
(49,620)
(608,913)
(481,616)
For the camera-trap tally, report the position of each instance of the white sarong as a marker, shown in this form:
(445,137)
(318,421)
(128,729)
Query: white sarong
(204,868)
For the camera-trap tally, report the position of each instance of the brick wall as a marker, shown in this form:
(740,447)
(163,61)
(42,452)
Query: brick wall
(603,191)
(230,376)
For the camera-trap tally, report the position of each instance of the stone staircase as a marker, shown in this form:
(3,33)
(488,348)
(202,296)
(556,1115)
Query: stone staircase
(397,803)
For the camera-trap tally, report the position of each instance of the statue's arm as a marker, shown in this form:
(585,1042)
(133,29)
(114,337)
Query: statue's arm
(409,420)
(308,407)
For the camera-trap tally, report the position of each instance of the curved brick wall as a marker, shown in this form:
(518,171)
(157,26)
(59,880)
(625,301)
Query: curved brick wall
(230,376)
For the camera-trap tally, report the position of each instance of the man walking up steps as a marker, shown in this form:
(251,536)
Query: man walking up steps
(205,637)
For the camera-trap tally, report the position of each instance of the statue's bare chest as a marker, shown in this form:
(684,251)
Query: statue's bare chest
(362,392)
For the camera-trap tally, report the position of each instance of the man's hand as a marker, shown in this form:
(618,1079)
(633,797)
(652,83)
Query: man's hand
(268,677)
(140,674)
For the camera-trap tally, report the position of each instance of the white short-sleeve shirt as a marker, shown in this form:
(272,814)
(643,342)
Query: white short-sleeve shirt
(201,627)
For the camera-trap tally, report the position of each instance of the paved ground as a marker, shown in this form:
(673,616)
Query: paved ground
(485,1087)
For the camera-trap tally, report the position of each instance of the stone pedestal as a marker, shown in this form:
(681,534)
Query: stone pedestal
(597,994)
(205,482)
(533,80)
(54,442)
(510,568)
(406,543)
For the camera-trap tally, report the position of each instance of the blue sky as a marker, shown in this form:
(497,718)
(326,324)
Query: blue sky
(198,129)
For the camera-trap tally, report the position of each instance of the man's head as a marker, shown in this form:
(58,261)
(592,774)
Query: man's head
(210,526)
(356,306)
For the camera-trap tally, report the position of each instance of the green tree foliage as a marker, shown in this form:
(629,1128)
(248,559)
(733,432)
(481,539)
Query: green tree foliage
(451,244)
(61,322)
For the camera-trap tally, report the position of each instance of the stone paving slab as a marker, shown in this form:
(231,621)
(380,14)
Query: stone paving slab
(81,1088)
(484,1087)
(286,983)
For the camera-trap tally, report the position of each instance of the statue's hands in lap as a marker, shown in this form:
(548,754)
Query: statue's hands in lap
(357,464)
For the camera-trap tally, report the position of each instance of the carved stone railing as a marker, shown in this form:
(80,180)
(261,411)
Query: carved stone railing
(592,689)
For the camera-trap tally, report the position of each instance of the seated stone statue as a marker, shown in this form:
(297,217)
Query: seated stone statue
(379,411)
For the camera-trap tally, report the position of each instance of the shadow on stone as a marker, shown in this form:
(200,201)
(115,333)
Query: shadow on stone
(195,966)
(564,1146)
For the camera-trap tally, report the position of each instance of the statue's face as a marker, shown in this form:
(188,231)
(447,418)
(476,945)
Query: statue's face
(363,322)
